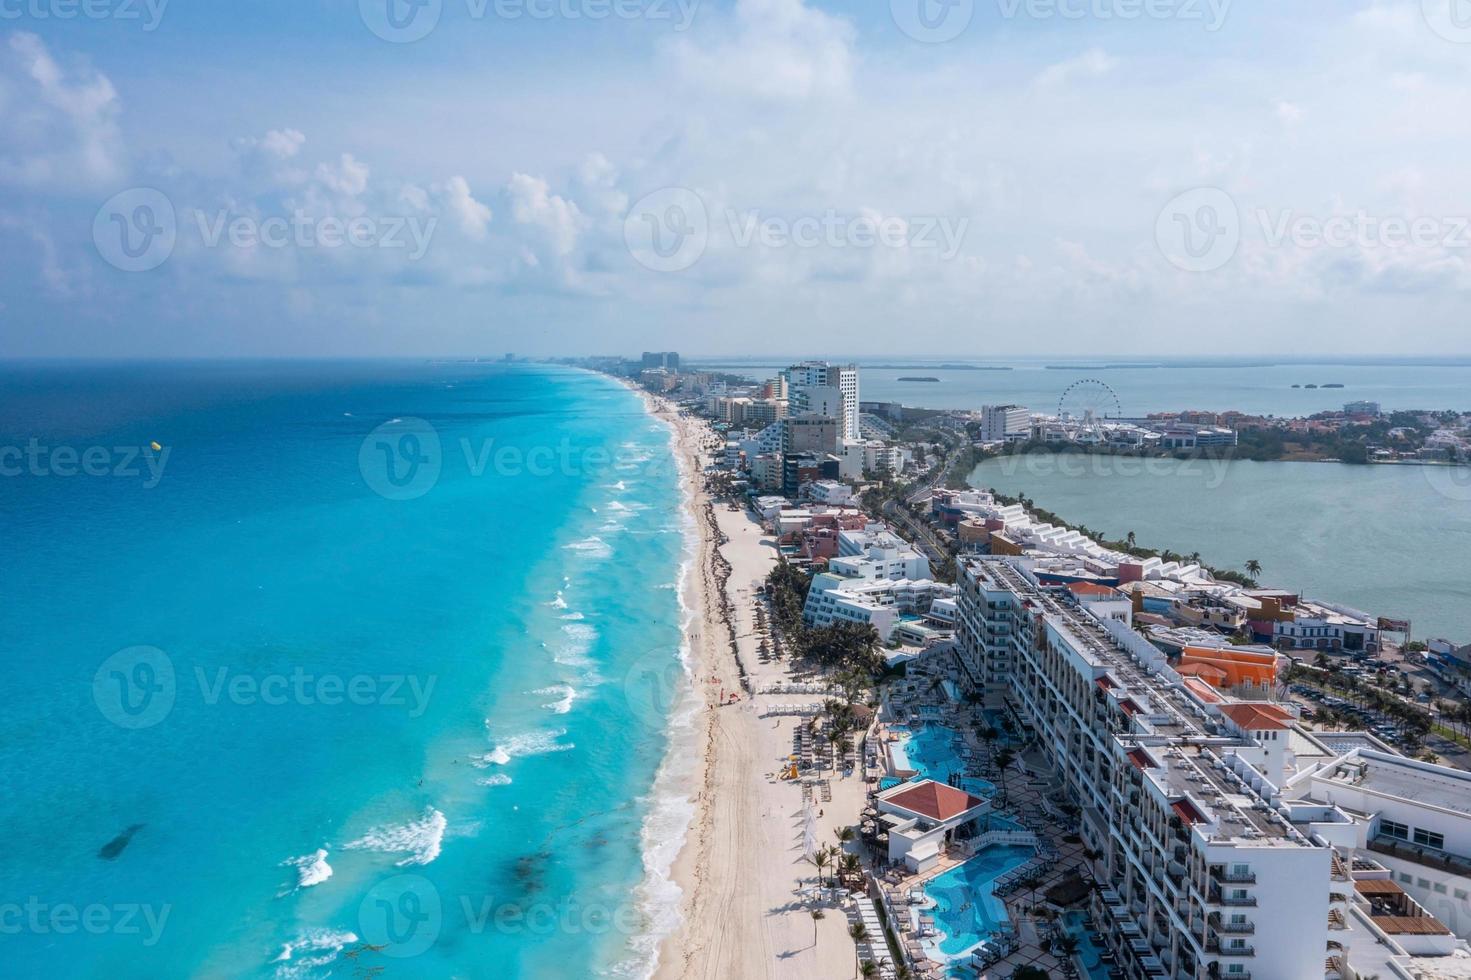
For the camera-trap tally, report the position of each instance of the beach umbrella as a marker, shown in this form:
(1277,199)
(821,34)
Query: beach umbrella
(809,833)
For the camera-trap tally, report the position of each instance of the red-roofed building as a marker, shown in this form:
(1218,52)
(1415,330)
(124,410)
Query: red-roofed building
(1187,812)
(1209,673)
(1258,717)
(921,817)
(1269,726)
(1092,590)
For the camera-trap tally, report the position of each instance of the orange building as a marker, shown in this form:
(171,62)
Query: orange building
(1244,671)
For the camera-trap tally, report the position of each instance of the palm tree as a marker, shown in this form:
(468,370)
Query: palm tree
(1067,945)
(844,834)
(1004,758)
(859,932)
(819,861)
(868,969)
(1253,568)
(817,916)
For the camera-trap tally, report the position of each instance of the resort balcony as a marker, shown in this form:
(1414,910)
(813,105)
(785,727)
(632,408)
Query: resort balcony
(1232,928)
(1233,877)
(1244,902)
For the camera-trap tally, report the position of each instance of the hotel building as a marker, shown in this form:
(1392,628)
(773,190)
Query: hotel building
(1206,867)
(818,383)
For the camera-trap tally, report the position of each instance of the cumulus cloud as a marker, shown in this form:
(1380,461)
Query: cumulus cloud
(1059,153)
(533,204)
(780,50)
(598,182)
(347,176)
(272,158)
(58,128)
(472,217)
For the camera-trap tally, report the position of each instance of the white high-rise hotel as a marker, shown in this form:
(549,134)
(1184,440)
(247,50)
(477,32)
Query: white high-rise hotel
(817,386)
(1213,856)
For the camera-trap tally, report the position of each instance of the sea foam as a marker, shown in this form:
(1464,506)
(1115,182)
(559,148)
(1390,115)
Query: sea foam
(421,838)
(311,869)
(671,809)
(310,950)
(591,547)
(565,695)
(525,744)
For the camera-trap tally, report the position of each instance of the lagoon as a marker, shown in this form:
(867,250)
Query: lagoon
(1391,540)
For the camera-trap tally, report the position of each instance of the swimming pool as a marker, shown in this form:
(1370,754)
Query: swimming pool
(1075,924)
(965,910)
(932,752)
(997,719)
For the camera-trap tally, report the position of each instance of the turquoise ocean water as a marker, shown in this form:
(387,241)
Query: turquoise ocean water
(370,669)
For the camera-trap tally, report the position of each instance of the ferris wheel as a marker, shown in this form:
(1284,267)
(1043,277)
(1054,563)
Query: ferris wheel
(1088,403)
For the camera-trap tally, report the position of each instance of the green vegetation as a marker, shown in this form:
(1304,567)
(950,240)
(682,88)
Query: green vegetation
(851,649)
(966,461)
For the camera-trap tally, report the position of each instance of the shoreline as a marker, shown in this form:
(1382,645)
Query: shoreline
(660,895)
(738,879)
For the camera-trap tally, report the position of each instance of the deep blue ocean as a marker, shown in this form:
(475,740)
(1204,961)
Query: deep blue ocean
(367,669)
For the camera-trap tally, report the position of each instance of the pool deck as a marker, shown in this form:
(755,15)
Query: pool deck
(1028,785)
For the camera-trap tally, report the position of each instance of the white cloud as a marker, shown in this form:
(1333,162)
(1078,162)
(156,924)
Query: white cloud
(348,176)
(473,217)
(1288,113)
(271,158)
(1090,64)
(1059,153)
(58,129)
(532,203)
(57,280)
(597,181)
(776,49)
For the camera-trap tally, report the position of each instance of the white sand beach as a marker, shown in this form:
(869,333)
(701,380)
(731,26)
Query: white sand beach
(742,870)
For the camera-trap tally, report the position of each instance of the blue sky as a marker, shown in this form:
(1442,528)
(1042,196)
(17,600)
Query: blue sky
(557,176)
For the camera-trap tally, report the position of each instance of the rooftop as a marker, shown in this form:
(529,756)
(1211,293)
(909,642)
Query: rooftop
(1258,716)
(1410,779)
(932,800)
(1170,725)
